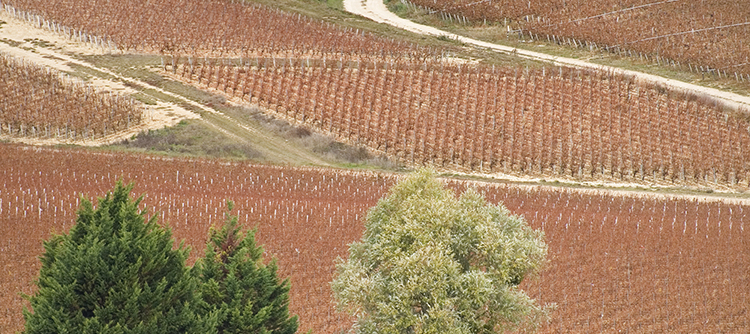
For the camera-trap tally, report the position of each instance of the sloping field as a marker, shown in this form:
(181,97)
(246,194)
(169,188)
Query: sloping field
(213,28)
(629,263)
(399,100)
(553,122)
(711,34)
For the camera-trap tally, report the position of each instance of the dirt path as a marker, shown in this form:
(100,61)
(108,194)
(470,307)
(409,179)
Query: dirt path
(378,12)
(23,41)
(19,39)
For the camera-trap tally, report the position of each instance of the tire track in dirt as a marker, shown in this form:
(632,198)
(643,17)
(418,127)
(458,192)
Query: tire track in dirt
(22,41)
(59,55)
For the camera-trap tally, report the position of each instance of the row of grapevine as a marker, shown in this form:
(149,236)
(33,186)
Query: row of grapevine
(481,123)
(713,35)
(617,262)
(214,28)
(535,122)
(634,264)
(38,102)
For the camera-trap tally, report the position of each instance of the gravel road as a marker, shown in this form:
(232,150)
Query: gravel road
(377,11)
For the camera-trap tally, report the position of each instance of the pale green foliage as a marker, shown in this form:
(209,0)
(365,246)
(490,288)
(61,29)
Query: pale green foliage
(431,263)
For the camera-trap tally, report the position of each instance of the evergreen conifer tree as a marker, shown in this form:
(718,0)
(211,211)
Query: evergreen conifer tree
(114,272)
(245,294)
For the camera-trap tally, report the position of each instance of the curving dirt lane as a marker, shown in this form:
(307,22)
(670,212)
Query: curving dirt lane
(378,12)
(60,54)
(17,38)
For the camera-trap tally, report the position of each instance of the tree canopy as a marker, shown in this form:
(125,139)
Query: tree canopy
(243,292)
(117,272)
(114,272)
(429,262)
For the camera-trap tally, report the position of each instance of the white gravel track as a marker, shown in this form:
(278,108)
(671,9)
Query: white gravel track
(377,11)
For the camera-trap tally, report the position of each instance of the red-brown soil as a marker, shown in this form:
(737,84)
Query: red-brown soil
(617,263)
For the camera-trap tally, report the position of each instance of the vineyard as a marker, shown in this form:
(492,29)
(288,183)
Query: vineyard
(38,102)
(202,28)
(708,36)
(548,122)
(618,262)
(401,100)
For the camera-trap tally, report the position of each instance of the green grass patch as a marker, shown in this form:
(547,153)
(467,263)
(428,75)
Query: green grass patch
(145,99)
(39,42)
(87,73)
(310,140)
(398,7)
(190,138)
(10,42)
(335,4)
(134,66)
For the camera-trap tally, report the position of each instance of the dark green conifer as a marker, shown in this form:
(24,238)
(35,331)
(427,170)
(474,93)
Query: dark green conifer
(243,292)
(114,272)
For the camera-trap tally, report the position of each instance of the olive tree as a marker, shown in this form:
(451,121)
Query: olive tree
(429,262)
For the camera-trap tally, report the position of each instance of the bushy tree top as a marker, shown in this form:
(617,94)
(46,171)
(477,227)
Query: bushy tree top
(243,292)
(433,263)
(114,272)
